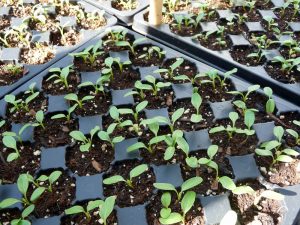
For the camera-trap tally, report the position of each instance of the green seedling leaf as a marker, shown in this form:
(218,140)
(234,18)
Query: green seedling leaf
(173,218)
(107,207)
(212,151)
(23,184)
(113,180)
(166,199)
(74,210)
(190,183)
(54,176)
(37,193)
(8,202)
(137,171)
(188,201)
(164,186)
(227,183)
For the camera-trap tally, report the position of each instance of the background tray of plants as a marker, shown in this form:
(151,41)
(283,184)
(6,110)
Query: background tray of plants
(126,121)
(34,35)
(124,10)
(259,37)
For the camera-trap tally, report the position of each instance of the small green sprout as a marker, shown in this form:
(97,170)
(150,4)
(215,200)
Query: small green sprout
(62,115)
(187,185)
(171,70)
(175,141)
(169,217)
(287,65)
(39,117)
(270,104)
(245,96)
(106,135)
(51,179)
(79,102)
(10,142)
(61,75)
(135,172)
(228,184)
(294,133)
(276,150)
(196,102)
(131,46)
(85,143)
(151,51)
(98,86)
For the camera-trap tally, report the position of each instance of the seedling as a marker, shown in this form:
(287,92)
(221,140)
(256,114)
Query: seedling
(105,209)
(156,86)
(214,77)
(131,46)
(61,30)
(106,135)
(19,35)
(294,133)
(18,135)
(23,219)
(115,115)
(175,141)
(90,54)
(151,53)
(169,217)
(196,102)
(228,184)
(39,117)
(109,66)
(38,16)
(245,96)
(135,172)
(230,129)
(51,179)
(192,80)
(185,20)
(61,75)
(11,143)
(20,104)
(212,150)
(116,35)
(262,43)
(62,115)
(13,69)
(78,209)
(187,185)
(287,65)
(270,104)
(128,4)
(276,150)
(138,109)
(85,143)
(293,47)
(242,107)
(250,5)
(98,86)
(270,22)
(172,68)
(79,102)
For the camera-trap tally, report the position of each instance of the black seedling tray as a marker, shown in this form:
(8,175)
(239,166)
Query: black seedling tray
(126,17)
(90,187)
(223,58)
(12,54)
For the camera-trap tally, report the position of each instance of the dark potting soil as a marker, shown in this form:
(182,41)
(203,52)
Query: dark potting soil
(56,132)
(194,217)
(126,196)
(23,116)
(125,79)
(4,22)
(184,122)
(262,4)
(29,161)
(55,202)
(8,78)
(95,161)
(52,88)
(240,54)
(7,215)
(217,94)
(21,11)
(164,98)
(96,106)
(48,26)
(210,185)
(36,55)
(286,120)
(283,174)
(239,144)
(266,212)
(153,60)
(274,70)
(92,23)
(212,42)
(234,29)
(71,37)
(80,219)
(185,31)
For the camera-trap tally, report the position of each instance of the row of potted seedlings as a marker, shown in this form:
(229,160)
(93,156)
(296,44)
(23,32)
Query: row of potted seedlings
(124,10)
(127,131)
(260,37)
(36,34)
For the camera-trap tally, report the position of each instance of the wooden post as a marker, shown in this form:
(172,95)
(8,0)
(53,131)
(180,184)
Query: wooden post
(155,12)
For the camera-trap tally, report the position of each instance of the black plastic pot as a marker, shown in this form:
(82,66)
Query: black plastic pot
(221,59)
(90,187)
(11,55)
(126,17)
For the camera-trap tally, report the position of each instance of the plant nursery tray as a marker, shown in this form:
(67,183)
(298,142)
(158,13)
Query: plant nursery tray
(239,38)
(125,16)
(13,55)
(83,172)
